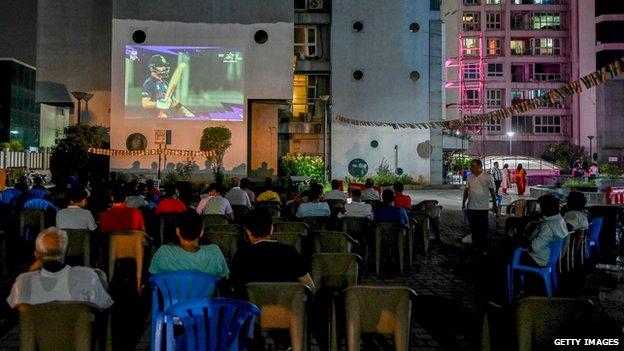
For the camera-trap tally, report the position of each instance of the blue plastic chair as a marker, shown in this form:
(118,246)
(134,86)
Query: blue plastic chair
(38,194)
(170,288)
(9,196)
(592,245)
(548,273)
(211,324)
(40,204)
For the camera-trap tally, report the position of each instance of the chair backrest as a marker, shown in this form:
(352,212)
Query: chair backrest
(539,320)
(555,252)
(224,228)
(300,227)
(429,206)
(332,241)
(595,226)
(390,228)
(335,203)
(126,244)
(335,271)
(274,207)
(226,241)
(37,193)
(32,222)
(9,196)
(282,304)
(212,324)
(167,228)
(40,204)
(375,204)
(57,326)
(240,213)
(211,219)
(170,288)
(356,227)
(317,222)
(517,207)
(379,309)
(294,239)
(78,244)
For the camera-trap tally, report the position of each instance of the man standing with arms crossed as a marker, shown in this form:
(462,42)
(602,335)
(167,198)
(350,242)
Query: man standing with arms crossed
(479,184)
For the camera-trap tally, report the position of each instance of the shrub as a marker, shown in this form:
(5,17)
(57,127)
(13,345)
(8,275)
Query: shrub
(13,145)
(576,183)
(70,154)
(609,170)
(303,165)
(563,153)
(216,139)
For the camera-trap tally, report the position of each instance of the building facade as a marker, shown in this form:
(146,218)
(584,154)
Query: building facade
(20,113)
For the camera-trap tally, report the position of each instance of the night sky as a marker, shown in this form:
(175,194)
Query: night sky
(18,30)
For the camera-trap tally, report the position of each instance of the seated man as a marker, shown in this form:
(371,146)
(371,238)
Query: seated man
(266,260)
(369,192)
(75,216)
(189,255)
(314,208)
(170,203)
(244,185)
(357,208)
(551,227)
(56,281)
(576,217)
(121,217)
(268,194)
(214,203)
(388,212)
(335,194)
(136,199)
(151,192)
(401,200)
(236,195)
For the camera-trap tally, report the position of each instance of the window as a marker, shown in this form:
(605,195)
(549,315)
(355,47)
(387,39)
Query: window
(300,5)
(472,2)
(493,20)
(495,70)
(470,21)
(492,2)
(306,90)
(517,96)
(545,46)
(495,126)
(522,124)
(548,124)
(547,20)
(547,72)
(472,97)
(519,21)
(494,47)
(471,71)
(518,47)
(494,97)
(470,46)
(305,41)
(538,2)
(434,5)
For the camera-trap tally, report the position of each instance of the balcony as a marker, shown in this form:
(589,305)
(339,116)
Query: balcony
(295,127)
(538,2)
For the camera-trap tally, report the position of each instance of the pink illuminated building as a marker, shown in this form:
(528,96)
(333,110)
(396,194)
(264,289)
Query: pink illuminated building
(500,52)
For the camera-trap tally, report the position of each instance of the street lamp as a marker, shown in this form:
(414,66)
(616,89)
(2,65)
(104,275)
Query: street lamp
(591,155)
(79,95)
(510,135)
(326,99)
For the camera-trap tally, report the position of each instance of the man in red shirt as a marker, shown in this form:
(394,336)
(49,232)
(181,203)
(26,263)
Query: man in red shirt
(171,203)
(400,199)
(120,217)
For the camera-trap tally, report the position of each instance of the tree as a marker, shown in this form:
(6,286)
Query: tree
(13,145)
(563,153)
(216,139)
(70,154)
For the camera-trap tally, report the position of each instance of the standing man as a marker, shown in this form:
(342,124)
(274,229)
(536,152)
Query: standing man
(498,177)
(479,184)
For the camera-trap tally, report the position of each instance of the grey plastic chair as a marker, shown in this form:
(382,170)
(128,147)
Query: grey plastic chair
(291,227)
(397,235)
(332,241)
(294,239)
(79,245)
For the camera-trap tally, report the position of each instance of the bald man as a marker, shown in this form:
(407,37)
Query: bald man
(56,281)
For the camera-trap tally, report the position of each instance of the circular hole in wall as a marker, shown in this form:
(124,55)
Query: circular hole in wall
(261,37)
(139,36)
(399,171)
(136,142)
(414,27)
(357,75)
(374,143)
(414,75)
(358,26)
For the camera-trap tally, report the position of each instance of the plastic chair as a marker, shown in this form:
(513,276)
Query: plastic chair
(541,320)
(420,225)
(226,241)
(210,219)
(548,273)
(283,306)
(294,239)
(579,240)
(333,241)
(31,222)
(224,228)
(169,288)
(397,235)
(434,210)
(317,222)
(38,194)
(57,326)
(126,244)
(274,207)
(167,228)
(375,204)
(240,213)
(212,324)
(40,204)
(10,196)
(378,309)
(592,245)
(300,227)
(79,245)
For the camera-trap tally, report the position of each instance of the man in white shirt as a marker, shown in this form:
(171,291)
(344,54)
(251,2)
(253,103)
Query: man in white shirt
(56,281)
(479,186)
(369,192)
(335,194)
(75,216)
(314,208)
(214,203)
(357,208)
(236,195)
(551,228)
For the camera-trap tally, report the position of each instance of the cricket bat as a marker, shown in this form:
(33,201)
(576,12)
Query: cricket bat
(173,83)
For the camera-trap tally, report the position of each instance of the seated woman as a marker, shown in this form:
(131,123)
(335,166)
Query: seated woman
(189,255)
(576,216)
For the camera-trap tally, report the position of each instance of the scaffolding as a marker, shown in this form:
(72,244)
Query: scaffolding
(469,68)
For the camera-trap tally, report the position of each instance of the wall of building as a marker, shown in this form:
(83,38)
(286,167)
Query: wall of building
(386,52)
(609,120)
(18,30)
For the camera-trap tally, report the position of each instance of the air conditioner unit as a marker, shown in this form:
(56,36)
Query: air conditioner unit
(315,4)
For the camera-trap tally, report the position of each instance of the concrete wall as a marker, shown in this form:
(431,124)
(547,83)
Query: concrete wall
(18,30)
(386,52)
(609,120)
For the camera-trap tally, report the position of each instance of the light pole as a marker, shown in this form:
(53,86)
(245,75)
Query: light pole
(79,95)
(326,99)
(591,155)
(510,135)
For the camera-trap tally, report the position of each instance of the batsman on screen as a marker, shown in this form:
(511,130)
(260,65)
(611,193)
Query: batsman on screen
(157,92)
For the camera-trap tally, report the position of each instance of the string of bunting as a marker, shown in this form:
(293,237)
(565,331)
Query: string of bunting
(549,99)
(151,152)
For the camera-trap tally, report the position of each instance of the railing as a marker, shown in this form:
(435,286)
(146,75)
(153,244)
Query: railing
(27,159)
(547,77)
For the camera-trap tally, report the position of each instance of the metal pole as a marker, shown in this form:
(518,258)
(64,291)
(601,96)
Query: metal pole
(510,146)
